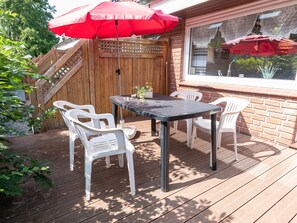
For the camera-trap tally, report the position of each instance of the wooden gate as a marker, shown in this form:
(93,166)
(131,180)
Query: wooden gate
(140,62)
(86,74)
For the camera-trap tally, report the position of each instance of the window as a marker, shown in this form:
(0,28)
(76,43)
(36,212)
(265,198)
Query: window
(256,49)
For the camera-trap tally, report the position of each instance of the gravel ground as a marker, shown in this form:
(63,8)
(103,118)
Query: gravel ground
(21,128)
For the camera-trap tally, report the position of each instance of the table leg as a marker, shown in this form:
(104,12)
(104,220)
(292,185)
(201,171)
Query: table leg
(115,113)
(213,143)
(153,127)
(164,156)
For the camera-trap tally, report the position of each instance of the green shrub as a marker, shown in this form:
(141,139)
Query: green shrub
(16,169)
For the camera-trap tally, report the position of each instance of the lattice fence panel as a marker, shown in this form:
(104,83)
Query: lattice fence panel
(109,46)
(62,72)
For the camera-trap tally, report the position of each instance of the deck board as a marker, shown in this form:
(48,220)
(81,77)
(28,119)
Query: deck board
(288,203)
(255,188)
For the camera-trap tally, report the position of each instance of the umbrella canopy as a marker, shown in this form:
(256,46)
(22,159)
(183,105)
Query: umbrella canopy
(107,19)
(99,20)
(259,45)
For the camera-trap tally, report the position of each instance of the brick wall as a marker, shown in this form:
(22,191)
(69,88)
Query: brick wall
(270,116)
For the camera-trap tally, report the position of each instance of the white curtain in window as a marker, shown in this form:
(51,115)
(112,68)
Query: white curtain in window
(238,27)
(202,35)
(280,26)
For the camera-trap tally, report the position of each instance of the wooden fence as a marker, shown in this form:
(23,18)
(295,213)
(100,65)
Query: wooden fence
(86,73)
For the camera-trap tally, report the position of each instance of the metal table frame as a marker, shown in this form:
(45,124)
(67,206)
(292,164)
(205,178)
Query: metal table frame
(166,109)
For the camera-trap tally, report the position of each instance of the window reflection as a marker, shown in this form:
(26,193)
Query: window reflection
(274,58)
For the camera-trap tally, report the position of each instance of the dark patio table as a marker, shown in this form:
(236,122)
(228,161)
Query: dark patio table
(165,109)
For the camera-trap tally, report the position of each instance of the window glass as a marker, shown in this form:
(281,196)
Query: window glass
(262,45)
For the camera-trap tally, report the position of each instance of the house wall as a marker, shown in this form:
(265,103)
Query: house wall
(271,114)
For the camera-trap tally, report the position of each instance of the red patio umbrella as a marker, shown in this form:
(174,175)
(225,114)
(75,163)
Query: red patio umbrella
(112,20)
(107,19)
(259,45)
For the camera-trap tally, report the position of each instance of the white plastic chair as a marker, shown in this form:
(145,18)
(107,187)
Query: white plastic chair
(63,106)
(186,95)
(107,142)
(227,121)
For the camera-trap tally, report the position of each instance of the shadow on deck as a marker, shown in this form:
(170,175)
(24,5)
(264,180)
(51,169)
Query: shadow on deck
(254,188)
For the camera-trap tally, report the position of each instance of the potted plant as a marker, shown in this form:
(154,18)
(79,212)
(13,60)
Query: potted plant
(268,70)
(145,91)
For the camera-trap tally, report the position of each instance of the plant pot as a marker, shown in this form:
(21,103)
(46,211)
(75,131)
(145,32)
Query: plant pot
(148,94)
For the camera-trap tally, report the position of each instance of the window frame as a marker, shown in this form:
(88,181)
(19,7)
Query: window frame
(231,13)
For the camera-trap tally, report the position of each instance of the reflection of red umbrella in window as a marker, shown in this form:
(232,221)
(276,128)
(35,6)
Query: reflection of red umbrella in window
(107,19)
(259,45)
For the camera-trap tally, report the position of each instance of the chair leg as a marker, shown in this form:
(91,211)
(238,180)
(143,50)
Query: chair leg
(71,150)
(121,160)
(189,132)
(88,173)
(194,132)
(219,139)
(235,145)
(130,162)
(175,125)
(107,161)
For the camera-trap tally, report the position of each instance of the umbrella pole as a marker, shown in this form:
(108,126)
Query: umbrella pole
(118,71)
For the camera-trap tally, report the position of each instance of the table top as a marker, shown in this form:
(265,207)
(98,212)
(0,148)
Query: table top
(165,108)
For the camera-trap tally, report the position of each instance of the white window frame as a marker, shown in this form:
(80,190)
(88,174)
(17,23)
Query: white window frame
(251,8)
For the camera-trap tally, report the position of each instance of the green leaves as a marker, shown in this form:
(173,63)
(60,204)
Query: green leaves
(26,21)
(16,169)
(268,70)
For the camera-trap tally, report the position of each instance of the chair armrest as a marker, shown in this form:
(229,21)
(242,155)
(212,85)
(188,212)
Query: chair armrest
(89,108)
(119,133)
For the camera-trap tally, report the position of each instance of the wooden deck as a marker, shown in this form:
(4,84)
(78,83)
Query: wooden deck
(259,187)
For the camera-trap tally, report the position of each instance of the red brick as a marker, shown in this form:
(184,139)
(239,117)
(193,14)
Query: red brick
(292,105)
(287,136)
(257,123)
(271,132)
(272,103)
(289,124)
(257,101)
(268,125)
(274,121)
(259,118)
(267,136)
(283,141)
(264,113)
(248,120)
(245,115)
(256,128)
(275,109)
(278,116)
(286,130)
(249,110)
(260,107)
(288,111)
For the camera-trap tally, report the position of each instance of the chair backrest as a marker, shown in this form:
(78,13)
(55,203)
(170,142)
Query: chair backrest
(187,95)
(108,137)
(64,106)
(233,106)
